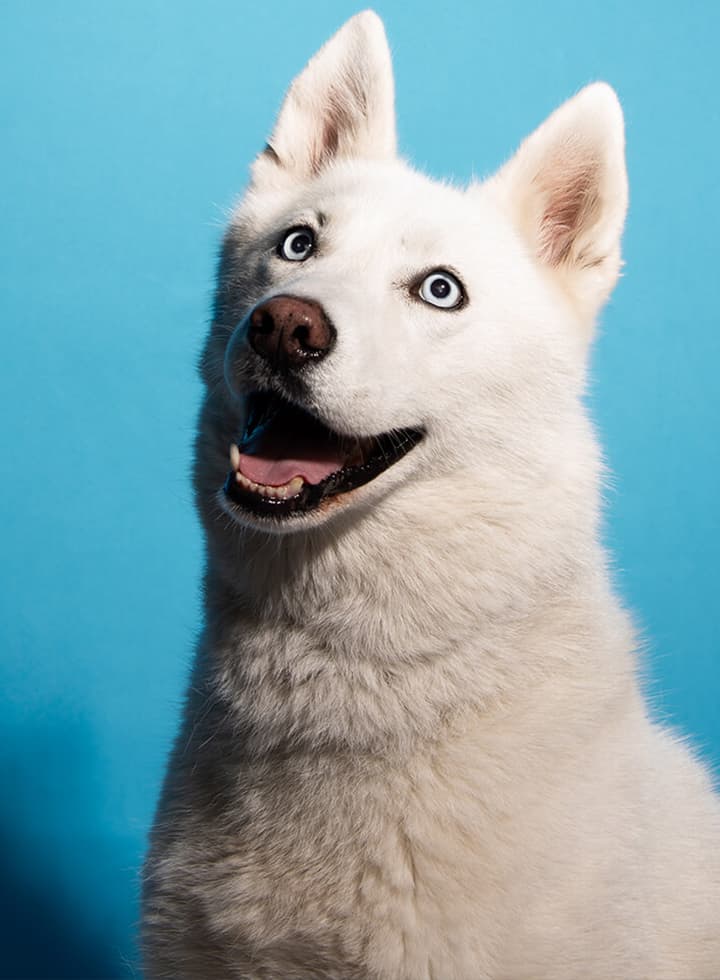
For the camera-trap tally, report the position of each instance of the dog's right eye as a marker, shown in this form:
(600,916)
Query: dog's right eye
(297,244)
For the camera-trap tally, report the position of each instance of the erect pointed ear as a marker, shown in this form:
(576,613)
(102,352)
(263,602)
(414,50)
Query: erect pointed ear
(340,106)
(566,188)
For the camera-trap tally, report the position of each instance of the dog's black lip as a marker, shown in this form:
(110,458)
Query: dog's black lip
(389,448)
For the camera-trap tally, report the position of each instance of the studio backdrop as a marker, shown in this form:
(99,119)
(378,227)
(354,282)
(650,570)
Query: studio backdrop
(127,131)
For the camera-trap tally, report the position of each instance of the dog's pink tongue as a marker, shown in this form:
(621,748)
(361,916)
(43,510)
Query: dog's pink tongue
(274,463)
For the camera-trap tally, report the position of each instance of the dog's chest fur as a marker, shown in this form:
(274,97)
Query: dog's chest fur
(456,856)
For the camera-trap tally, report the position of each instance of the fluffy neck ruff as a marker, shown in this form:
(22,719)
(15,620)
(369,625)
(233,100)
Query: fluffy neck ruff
(376,632)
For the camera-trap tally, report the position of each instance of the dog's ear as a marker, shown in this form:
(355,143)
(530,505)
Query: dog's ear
(566,188)
(340,106)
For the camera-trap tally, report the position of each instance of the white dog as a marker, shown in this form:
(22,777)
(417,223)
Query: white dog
(415,746)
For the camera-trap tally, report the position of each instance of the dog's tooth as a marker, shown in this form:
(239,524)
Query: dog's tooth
(234,456)
(265,490)
(243,481)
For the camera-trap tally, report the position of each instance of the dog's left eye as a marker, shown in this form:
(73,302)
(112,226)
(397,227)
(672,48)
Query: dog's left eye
(442,289)
(297,244)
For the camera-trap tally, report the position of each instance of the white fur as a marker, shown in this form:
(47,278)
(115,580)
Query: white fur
(415,746)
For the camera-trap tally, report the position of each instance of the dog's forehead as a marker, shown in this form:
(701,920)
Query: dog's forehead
(392,192)
(391,205)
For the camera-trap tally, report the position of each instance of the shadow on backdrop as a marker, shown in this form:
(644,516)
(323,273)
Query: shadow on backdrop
(59,922)
(41,937)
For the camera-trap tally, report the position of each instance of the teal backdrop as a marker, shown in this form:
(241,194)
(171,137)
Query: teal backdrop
(127,129)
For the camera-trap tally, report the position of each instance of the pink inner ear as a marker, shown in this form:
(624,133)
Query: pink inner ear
(569,187)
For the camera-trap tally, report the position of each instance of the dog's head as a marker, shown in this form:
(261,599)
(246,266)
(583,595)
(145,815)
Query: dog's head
(377,331)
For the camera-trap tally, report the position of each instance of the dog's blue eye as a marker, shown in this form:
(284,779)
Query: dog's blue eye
(297,244)
(441,289)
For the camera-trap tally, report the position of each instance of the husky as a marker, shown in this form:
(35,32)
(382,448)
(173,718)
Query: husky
(415,745)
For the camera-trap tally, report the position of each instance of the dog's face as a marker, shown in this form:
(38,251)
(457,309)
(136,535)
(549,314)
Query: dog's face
(376,330)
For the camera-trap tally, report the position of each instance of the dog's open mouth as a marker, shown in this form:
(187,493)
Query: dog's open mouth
(289,462)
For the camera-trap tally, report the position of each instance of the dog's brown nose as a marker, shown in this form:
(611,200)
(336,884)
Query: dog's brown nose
(289,331)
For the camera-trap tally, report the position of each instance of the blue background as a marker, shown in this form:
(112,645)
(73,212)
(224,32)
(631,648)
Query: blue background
(127,129)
